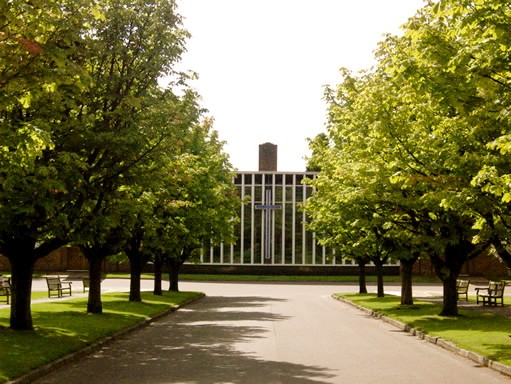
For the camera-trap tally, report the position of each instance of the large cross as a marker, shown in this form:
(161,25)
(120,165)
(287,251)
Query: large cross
(267,207)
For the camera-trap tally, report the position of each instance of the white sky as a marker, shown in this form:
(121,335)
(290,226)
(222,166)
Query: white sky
(262,65)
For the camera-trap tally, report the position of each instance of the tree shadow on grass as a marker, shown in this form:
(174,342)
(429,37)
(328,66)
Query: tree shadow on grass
(203,343)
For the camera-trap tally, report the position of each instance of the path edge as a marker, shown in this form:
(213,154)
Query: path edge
(44,370)
(436,340)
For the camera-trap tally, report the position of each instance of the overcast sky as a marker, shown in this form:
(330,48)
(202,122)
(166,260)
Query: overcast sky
(263,64)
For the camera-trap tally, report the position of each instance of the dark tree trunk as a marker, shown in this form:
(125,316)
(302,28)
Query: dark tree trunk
(362,286)
(174,267)
(138,259)
(406,272)
(94,304)
(157,276)
(136,266)
(448,269)
(21,282)
(22,254)
(378,263)
(450,302)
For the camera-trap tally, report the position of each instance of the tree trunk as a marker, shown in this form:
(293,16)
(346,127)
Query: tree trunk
(450,303)
(94,304)
(174,266)
(448,269)
(406,272)
(21,282)
(157,276)
(136,265)
(379,274)
(362,286)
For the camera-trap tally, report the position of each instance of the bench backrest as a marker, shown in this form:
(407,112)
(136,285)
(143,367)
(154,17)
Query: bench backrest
(53,282)
(496,288)
(4,282)
(462,284)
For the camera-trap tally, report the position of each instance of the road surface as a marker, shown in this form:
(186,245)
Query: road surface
(251,333)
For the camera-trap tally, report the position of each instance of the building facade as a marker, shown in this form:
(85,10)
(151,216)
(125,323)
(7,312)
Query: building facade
(272,229)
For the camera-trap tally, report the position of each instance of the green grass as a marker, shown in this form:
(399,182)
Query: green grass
(64,327)
(275,278)
(36,295)
(484,333)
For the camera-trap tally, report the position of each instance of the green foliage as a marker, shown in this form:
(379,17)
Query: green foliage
(417,146)
(197,204)
(89,140)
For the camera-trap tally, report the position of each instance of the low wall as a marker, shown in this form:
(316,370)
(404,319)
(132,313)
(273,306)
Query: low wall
(71,258)
(282,270)
(486,265)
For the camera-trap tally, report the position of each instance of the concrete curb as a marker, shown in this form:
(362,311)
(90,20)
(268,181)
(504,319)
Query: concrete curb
(96,346)
(446,344)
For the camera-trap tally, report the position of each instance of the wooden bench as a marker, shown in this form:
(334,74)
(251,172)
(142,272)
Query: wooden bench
(5,289)
(462,288)
(86,283)
(57,286)
(494,292)
(80,274)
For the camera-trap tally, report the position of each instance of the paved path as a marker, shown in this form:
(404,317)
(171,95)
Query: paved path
(271,333)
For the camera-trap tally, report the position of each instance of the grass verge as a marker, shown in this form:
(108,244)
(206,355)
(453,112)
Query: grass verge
(276,278)
(485,333)
(64,327)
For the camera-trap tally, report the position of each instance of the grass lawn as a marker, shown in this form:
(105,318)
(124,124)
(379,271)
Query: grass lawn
(64,327)
(484,333)
(276,278)
(36,295)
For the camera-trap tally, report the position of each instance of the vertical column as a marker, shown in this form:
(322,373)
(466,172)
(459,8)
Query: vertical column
(293,218)
(252,220)
(283,230)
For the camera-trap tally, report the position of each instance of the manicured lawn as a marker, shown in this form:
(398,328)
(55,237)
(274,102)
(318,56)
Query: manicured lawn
(36,295)
(276,278)
(484,333)
(64,326)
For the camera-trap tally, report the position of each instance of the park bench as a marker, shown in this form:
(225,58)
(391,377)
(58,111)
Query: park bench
(462,288)
(86,282)
(82,274)
(56,285)
(5,289)
(494,292)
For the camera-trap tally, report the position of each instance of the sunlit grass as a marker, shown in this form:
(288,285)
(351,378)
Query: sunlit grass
(484,333)
(277,278)
(62,327)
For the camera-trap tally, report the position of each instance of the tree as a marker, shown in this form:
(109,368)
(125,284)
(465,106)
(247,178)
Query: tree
(429,118)
(40,80)
(126,119)
(79,115)
(207,199)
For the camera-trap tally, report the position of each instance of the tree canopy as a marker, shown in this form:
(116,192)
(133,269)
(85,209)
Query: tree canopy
(419,141)
(87,133)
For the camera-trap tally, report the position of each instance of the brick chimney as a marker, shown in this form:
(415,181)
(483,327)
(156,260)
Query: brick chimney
(268,157)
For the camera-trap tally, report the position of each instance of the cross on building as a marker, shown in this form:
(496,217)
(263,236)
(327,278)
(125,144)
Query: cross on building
(267,208)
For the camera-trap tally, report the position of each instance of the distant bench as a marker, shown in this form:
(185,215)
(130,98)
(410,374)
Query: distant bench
(494,292)
(462,288)
(82,274)
(5,289)
(57,286)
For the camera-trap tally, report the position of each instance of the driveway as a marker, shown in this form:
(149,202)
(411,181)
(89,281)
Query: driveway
(272,333)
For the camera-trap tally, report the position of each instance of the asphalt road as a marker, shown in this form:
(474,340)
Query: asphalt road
(272,333)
